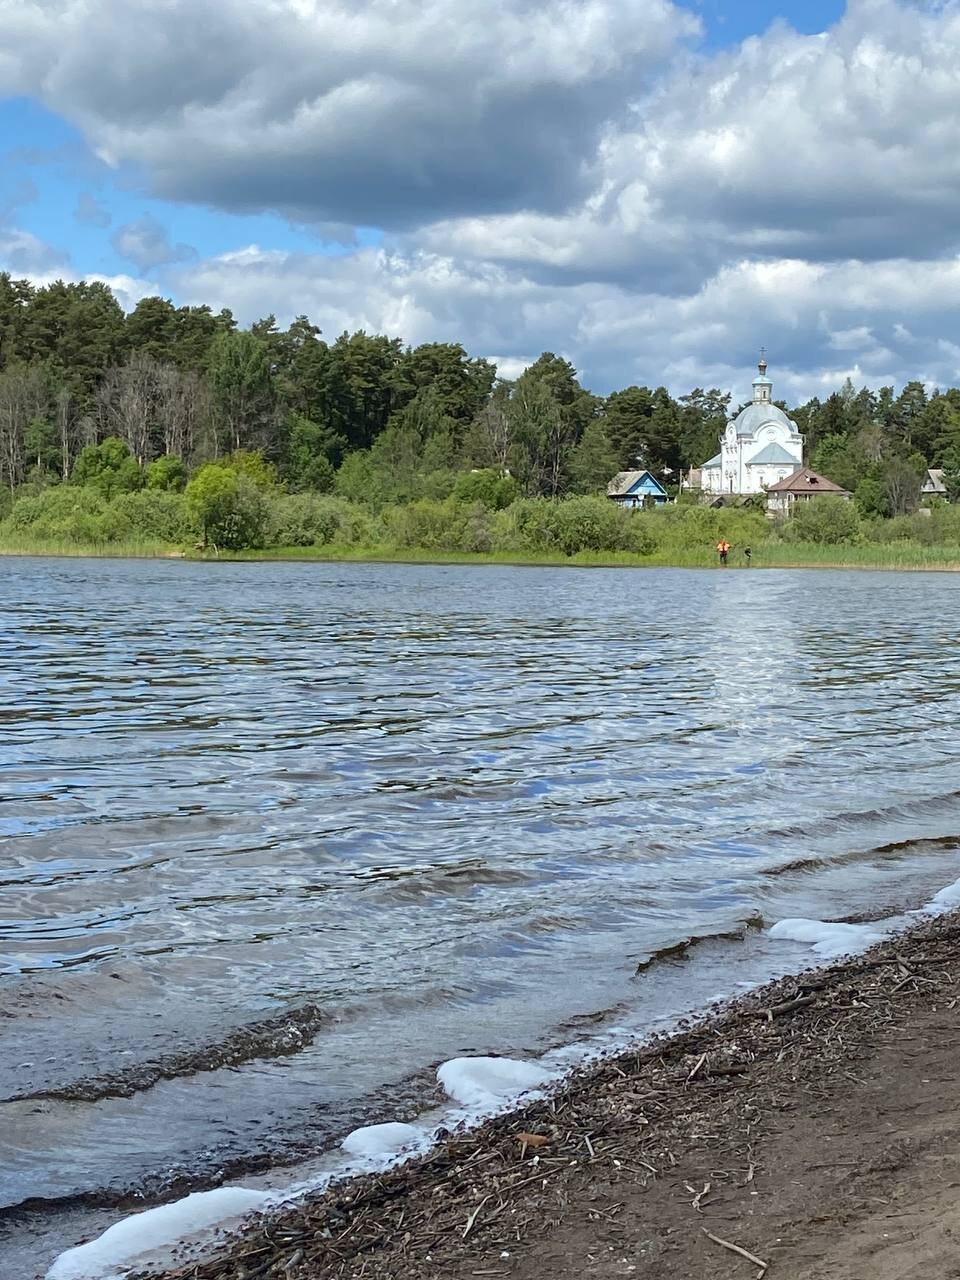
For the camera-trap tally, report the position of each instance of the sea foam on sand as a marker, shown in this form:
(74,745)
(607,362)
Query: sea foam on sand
(488,1082)
(828,940)
(381,1139)
(123,1243)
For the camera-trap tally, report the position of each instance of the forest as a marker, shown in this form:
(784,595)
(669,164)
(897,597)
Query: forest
(171,425)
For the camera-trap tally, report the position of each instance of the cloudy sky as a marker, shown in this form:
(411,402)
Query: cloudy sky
(650,187)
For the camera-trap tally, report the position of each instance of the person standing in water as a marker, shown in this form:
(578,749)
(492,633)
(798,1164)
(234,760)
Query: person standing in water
(723,550)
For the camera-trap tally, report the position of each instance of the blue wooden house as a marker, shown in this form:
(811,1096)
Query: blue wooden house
(636,489)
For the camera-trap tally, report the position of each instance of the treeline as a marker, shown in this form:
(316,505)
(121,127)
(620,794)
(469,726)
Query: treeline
(377,422)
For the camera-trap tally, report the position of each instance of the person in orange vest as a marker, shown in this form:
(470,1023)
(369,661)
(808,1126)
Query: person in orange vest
(723,550)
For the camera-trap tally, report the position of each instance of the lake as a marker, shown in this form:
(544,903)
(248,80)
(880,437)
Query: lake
(275,839)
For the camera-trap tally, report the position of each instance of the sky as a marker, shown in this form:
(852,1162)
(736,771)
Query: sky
(651,190)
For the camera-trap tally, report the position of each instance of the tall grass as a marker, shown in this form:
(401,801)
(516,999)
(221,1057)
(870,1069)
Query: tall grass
(766,556)
(127,549)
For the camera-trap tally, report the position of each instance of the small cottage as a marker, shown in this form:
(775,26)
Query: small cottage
(636,489)
(933,486)
(801,486)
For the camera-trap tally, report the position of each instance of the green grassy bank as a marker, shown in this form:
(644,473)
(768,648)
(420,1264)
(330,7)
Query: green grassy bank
(797,555)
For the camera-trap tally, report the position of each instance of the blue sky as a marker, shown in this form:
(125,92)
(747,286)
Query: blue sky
(728,23)
(653,194)
(50,167)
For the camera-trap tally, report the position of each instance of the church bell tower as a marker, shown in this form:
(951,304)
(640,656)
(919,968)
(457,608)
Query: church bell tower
(762,386)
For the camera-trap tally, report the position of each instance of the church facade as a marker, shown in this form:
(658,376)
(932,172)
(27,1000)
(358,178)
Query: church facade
(760,446)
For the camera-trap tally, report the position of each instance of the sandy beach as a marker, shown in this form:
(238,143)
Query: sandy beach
(808,1131)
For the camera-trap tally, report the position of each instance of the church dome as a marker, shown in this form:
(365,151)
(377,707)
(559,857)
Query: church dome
(762,411)
(756,415)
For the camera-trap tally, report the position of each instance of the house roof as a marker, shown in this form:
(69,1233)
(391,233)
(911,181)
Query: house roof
(772,455)
(714,462)
(933,481)
(625,482)
(805,481)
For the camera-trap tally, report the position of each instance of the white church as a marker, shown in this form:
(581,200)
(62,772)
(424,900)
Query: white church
(760,446)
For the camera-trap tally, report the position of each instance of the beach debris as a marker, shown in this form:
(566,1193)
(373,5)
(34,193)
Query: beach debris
(788,1006)
(699,1063)
(698,1195)
(473,1217)
(534,1140)
(744,1253)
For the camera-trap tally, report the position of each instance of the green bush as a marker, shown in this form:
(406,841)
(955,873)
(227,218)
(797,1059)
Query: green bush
(488,486)
(827,519)
(312,520)
(108,468)
(690,527)
(227,508)
(168,472)
(523,526)
(589,524)
(644,533)
(154,515)
(426,523)
(64,513)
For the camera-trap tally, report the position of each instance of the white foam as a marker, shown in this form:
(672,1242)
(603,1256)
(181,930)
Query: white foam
(827,939)
(381,1139)
(945,900)
(486,1082)
(122,1244)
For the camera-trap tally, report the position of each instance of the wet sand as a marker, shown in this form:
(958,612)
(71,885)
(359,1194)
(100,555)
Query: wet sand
(811,1130)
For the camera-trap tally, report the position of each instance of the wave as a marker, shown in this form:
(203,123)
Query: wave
(280,1036)
(891,849)
(681,950)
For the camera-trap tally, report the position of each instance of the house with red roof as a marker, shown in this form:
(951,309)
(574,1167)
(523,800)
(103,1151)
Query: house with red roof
(801,486)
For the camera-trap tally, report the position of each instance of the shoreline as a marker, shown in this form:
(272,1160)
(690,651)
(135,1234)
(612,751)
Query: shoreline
(414,556)
(799,1123)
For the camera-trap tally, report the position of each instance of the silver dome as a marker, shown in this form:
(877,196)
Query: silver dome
(749,420)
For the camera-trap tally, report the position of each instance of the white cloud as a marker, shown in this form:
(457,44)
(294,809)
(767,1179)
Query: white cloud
(24,253)
(388,112)
(544,192)
(617,335)
(819,147)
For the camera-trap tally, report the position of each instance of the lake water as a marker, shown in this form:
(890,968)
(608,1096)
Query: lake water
(275,839)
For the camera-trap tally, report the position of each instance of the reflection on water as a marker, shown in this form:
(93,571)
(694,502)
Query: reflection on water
(414,799)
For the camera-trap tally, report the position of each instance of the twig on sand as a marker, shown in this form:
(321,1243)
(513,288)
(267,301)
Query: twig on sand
(698,1195)
(788,1006)
(473,1217)
(700,1061)
(735,1248)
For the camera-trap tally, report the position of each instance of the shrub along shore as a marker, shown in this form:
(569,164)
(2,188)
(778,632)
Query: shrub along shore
(236,507)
